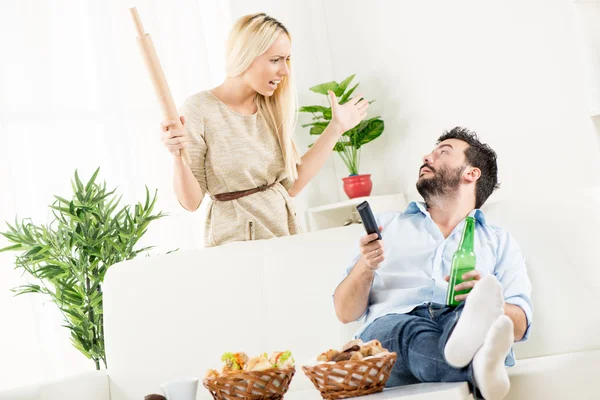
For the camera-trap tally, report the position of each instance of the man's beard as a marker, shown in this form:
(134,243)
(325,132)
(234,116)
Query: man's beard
(444,183)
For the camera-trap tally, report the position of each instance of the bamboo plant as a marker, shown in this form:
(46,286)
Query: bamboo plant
(68,258)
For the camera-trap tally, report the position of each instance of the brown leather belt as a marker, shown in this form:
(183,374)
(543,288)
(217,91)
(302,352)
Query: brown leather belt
(238,195)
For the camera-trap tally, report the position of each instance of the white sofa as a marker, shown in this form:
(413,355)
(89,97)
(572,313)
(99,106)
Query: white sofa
(174,315)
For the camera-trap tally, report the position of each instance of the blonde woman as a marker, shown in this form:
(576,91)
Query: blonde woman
(239,137)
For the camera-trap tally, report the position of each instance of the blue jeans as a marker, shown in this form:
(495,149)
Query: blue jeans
(419,338)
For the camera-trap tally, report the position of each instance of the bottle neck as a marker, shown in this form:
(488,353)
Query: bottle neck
(468,237)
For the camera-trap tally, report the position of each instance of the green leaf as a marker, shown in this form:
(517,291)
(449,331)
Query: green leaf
(34,251)
(12,248)
(313,123)
(78,182)
(344,85)
(79,346)
(317,129)
(346,97)
(112,205)
(101,197)
(25,229)
(340,147)
(62,200)
(61,209)
(325,87)
(362,125)
(96,301)
(92,180)
(151,206)
(74,313)
(147,198)
(313,109)
(372,131)
(50,272)
(29,288)
(11,228)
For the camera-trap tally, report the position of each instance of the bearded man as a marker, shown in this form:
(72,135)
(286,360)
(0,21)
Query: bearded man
(400,290)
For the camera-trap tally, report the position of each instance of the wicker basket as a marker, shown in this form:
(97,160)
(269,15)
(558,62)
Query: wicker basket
(251,385)
(345,379)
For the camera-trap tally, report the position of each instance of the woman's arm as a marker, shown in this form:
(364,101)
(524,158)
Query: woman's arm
(187,189)
(186,186)
(314,159)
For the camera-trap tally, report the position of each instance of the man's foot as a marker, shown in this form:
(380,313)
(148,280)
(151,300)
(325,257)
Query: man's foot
(489,371)
(483,306)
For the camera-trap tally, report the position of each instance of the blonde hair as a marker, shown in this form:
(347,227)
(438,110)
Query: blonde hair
(250,37)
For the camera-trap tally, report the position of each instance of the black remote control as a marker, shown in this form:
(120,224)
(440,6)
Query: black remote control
(368,219)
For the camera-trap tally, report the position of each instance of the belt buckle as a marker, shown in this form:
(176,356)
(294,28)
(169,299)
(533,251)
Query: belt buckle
(262,188)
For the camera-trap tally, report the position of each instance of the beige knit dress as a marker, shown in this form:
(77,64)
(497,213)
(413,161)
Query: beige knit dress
(231,152)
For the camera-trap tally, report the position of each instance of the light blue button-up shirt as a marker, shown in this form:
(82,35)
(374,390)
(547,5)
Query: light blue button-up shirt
(417,257)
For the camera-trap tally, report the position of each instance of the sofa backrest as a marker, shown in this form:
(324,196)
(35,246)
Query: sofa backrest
(560,237)
(174,315)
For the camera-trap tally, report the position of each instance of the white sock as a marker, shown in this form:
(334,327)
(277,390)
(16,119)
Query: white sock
(489,371)
(483,306)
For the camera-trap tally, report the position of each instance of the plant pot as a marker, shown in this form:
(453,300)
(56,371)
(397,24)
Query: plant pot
(358,185)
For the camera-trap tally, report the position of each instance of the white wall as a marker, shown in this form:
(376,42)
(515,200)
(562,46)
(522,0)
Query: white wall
(509,70)
(587,16)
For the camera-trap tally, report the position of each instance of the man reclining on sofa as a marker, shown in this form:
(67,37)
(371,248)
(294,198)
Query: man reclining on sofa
(402,290)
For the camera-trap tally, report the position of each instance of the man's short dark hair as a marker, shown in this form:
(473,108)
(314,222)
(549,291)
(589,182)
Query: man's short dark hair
(478,155)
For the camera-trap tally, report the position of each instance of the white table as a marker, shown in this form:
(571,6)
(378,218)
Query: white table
(421,391)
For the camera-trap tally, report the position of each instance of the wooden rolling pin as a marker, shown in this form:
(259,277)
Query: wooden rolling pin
(158,77)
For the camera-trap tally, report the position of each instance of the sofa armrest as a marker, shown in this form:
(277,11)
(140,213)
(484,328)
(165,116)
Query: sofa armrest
(89,386)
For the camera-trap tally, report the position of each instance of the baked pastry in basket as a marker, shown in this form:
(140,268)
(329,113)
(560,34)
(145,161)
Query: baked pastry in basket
(353,350)
(262,377)
(238,362)
(356,369)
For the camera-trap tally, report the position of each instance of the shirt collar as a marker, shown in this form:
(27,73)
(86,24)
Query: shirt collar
(416,207)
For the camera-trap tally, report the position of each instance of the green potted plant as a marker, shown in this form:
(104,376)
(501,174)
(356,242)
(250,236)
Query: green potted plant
(69,257)
(350,144)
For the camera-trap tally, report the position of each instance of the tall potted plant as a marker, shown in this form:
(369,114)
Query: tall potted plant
(69,257)
(350,144)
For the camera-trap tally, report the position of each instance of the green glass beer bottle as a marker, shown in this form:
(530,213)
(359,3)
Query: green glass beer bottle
(463,261)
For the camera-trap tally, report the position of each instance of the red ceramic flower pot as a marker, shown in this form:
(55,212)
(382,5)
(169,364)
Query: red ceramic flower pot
(358,185)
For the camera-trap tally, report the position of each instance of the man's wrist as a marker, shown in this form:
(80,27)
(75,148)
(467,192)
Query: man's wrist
(364,268)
